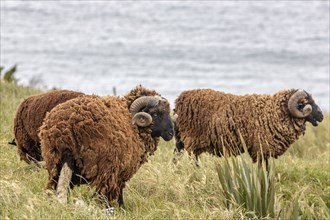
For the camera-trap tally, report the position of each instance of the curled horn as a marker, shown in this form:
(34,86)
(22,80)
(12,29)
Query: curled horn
(293,105)
(142,119)
(142,102)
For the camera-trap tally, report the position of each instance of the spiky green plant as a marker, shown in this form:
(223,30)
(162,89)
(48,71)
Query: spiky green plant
(247,185)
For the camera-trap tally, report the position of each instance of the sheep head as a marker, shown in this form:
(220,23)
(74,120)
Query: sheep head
(302,105)
(154,111)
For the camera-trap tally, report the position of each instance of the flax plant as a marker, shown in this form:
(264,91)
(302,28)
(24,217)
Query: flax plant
(247,185)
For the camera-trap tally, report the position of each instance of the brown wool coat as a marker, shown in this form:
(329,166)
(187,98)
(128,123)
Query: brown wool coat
(216,122)
(29,117)
(98,134)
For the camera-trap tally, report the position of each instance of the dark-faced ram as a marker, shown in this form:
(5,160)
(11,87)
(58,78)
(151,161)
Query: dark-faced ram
(222,124)
(103,141)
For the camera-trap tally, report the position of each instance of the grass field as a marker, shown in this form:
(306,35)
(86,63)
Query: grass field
(161,190)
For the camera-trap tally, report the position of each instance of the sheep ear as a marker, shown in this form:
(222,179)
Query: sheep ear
(142,119)
(174,118)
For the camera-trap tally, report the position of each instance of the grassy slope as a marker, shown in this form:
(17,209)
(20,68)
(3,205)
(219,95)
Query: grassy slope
(160,190)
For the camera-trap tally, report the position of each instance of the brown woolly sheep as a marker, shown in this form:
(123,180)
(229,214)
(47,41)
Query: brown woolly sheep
(29,117)
(103,141)
(218,123)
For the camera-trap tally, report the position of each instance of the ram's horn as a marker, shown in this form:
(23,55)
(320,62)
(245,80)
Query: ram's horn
(142,102)
(293,105)
(142,119)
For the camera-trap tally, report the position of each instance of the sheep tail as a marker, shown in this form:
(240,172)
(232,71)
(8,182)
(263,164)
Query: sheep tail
(64,181)
(13,142)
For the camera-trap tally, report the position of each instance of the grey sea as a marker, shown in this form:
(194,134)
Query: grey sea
(237,47)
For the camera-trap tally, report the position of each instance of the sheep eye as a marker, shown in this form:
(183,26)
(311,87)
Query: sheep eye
(300,106)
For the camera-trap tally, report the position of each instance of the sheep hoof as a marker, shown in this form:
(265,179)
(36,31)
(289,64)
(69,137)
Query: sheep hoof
(194,160)
(64,183)
(195,163)
(110,211)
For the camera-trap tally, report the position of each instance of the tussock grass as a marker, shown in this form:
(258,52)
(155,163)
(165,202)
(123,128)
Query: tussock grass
(161,190)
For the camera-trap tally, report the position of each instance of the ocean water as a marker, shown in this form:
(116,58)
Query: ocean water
(237,47)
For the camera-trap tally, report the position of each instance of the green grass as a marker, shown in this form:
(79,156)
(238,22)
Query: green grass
(161,190)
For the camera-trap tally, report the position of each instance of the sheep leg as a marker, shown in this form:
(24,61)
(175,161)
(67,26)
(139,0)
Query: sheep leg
(178,152)
(179,146)
(121,199)
(64,182)
(196,160)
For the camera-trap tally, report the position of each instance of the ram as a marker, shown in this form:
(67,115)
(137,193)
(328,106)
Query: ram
(221,124)
(28,120)
(103,141)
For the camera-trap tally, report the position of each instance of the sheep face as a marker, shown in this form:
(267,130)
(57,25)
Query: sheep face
(162,124)
(302,105)
(316,115)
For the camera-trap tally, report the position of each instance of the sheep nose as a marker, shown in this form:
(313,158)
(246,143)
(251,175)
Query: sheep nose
(321,117)
(170,133)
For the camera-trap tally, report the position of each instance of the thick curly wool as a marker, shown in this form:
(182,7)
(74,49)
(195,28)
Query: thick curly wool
(137,92)
(216,122)
(107,149)
(29,117)
(151,143)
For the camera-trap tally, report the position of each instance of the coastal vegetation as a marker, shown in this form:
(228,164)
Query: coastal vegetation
(296,187)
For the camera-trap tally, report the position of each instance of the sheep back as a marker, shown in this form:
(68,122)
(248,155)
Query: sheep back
(29,117)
